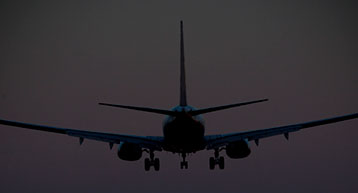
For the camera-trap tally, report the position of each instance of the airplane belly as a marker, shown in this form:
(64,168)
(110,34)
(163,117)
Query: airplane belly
(184,136)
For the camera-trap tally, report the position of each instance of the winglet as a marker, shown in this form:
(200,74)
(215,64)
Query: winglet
(183,101)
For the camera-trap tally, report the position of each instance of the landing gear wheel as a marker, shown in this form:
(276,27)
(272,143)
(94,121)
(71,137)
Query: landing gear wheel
(156,164)
(184,165)
(221,163)
(151,161)
(216,160)
(147,164)
(211,163)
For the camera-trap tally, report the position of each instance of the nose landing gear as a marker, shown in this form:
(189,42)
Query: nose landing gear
(151,161)
(183,164)
(216,160)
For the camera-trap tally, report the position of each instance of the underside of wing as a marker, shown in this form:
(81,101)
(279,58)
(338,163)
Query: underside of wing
(216,141)
(149,142)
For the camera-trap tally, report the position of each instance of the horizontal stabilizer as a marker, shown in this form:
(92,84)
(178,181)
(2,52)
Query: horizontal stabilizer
(218,108)
(145,109)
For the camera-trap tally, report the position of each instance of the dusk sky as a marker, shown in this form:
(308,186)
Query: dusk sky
(58,59)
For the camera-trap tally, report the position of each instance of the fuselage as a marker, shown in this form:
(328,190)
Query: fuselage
(184,133)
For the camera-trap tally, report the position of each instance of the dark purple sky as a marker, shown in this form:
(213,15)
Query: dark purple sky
(59,59)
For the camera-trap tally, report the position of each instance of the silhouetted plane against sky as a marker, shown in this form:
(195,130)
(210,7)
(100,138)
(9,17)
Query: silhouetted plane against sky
(183,131)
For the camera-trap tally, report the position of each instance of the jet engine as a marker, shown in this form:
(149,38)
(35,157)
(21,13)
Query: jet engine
(238,149)
(129,151)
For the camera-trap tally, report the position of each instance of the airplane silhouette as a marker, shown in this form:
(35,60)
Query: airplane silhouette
(183,131)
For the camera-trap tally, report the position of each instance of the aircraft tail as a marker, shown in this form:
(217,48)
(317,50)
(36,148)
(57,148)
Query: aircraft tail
(218,108)
(174,113)
(183,101)
(145,109)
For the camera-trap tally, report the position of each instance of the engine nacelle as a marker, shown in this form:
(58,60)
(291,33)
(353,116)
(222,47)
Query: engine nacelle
(238,149)
(129,151)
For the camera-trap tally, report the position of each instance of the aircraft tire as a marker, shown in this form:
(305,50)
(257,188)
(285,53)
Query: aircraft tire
(146,164)
(221,163)
(156,164)
(211,163)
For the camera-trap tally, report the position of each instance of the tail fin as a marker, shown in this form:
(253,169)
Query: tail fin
(182,68)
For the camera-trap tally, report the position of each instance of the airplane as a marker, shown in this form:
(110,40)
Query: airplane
(183,131)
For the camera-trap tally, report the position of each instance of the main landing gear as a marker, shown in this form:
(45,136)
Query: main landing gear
(216,160)
(183,164)
(151,161)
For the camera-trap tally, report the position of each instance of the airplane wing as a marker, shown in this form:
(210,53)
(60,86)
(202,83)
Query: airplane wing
(149,142)
(216,141)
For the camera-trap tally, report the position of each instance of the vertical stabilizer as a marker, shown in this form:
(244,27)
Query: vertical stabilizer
(182,68)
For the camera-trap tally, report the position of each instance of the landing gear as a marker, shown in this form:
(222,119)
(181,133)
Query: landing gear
(156,164)
(151,162)
(147,164)
(216,160)
(212,163)
(183,164)
(221,163)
